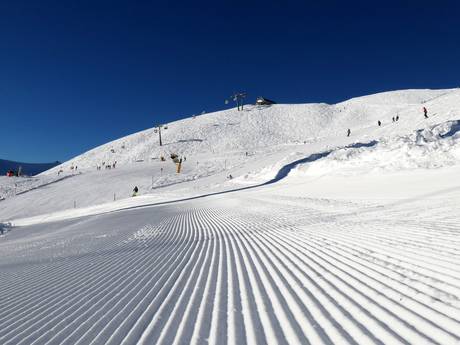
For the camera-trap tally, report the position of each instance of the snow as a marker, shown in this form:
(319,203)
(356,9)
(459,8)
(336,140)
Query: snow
(317,238)
(433,147)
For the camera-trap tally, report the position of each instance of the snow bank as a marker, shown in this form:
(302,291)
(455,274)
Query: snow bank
(433,147)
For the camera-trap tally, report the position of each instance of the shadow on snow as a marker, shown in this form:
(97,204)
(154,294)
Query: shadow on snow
(282,173)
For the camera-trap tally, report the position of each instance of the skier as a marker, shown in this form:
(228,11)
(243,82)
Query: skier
(348,132)
(397,118)
(379,123)
(135,190)
(393,119)
(425,112)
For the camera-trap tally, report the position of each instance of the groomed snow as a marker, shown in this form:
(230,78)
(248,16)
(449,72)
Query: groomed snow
(318,238)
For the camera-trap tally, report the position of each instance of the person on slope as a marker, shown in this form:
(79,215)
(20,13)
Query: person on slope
(379,123)
(348,132)
(135,190)
(425,112)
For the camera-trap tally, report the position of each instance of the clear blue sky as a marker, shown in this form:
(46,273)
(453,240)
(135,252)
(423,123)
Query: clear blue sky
(75,74)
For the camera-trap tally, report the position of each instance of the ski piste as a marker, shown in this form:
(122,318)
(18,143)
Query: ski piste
(318,238)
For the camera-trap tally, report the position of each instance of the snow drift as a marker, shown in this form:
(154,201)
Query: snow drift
(433,147)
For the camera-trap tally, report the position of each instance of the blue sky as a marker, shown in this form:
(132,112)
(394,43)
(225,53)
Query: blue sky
(76,74)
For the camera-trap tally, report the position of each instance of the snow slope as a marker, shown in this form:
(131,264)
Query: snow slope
(265,266)
(318,238)
(215,146)
(259,127)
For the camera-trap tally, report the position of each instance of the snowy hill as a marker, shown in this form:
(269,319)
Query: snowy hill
(251,145)
(27,168)
(260,126)
(318,237)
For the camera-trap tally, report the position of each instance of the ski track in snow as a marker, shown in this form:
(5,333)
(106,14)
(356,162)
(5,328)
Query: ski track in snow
(252,268)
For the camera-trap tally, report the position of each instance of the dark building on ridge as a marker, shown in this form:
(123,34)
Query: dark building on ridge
(264,101)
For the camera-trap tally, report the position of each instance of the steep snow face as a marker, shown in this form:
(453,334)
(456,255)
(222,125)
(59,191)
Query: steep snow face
(262,126)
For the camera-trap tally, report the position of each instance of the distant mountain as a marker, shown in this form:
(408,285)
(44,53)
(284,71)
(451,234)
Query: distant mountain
(27,168)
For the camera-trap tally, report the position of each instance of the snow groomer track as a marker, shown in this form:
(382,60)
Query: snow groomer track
(235,269)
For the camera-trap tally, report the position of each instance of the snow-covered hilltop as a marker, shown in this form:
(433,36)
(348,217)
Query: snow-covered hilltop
(261,126)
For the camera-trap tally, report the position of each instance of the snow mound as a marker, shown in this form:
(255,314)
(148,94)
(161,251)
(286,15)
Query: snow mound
(429,148)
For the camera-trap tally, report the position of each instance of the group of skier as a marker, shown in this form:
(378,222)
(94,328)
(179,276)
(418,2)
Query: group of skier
(395,119)
(107,166)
